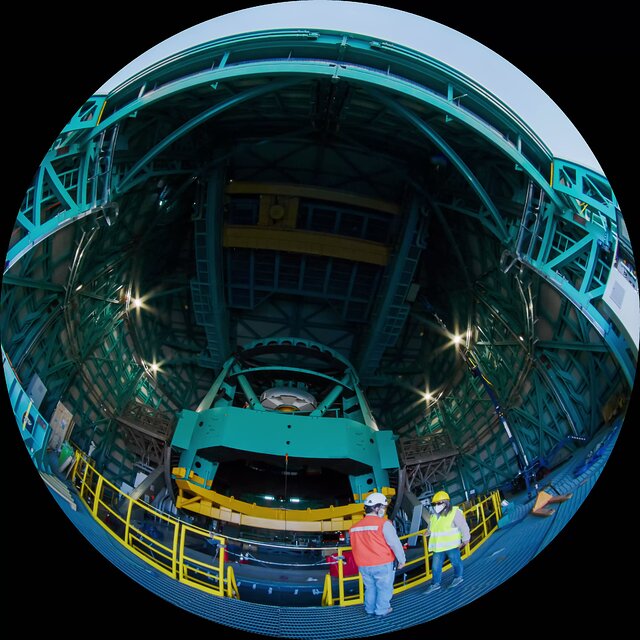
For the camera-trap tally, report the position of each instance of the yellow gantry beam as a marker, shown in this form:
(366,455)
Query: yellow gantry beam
(313,193)
(277,223)
(210,503)
(309,242)
(215,505)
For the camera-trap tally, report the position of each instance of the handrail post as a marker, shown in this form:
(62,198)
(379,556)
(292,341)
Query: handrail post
(174,550)
(84,477)
(484,521)
(94,508)
(327,592)
(74,466)
(127,523)
(340,579)
(229,581)
(222,547)
(181,552)
(427,568)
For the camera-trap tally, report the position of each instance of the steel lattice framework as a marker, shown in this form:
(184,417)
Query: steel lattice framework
(205,185)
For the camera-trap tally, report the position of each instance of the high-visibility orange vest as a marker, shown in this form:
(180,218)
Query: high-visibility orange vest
(368,543)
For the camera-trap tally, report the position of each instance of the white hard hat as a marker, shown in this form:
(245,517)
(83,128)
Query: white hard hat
(374,499)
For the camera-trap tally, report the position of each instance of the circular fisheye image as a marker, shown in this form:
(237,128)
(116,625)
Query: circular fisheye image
(319,320)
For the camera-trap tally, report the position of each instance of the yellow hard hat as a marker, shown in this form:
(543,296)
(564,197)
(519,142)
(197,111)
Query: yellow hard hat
(440,495)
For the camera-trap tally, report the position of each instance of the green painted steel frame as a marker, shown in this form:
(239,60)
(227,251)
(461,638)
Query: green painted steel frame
(591,188)
(392,310)
(571,251)
(574,251)
(207,288)
(552,390)
(36,231)
(337,441)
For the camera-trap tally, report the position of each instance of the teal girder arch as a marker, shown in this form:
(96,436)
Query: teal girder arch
(493,220)
(90,149)
(86,171)
(574,250)
(269,87)
(76,179)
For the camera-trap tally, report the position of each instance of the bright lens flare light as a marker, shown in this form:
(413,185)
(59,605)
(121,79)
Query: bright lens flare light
(454,340)
(152,367)
(139,303)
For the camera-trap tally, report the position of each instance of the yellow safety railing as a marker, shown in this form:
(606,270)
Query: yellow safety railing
(482,518)
(131,522)
(175,554)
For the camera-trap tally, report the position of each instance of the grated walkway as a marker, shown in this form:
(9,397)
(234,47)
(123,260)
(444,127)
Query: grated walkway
(503,555)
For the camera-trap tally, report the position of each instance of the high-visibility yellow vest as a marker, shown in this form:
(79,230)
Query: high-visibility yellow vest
(444,535)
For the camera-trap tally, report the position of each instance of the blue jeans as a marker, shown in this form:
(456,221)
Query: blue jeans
(438,560)
(378,587)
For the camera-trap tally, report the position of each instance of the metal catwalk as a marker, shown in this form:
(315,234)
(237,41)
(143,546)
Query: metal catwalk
(522,537)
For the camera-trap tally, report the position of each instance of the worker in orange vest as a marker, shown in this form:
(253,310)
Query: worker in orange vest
(376,546)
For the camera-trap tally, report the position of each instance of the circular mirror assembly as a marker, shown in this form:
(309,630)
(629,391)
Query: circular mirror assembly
(297,257)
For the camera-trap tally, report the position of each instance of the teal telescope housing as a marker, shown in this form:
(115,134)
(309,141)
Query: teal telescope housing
(293,412)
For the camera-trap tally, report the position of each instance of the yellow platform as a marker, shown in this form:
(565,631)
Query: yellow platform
(207,502)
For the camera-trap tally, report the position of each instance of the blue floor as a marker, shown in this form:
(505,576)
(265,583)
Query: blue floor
(508,551)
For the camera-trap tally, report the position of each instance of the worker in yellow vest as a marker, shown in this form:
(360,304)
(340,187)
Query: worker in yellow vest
(376,546)
(448,532)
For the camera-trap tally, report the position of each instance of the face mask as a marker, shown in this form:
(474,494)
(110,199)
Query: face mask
(439,507)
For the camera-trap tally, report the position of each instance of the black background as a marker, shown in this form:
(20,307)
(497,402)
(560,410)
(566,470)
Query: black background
(61,54)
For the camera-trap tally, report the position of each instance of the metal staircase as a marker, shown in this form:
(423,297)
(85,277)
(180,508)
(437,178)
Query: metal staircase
(60,488)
